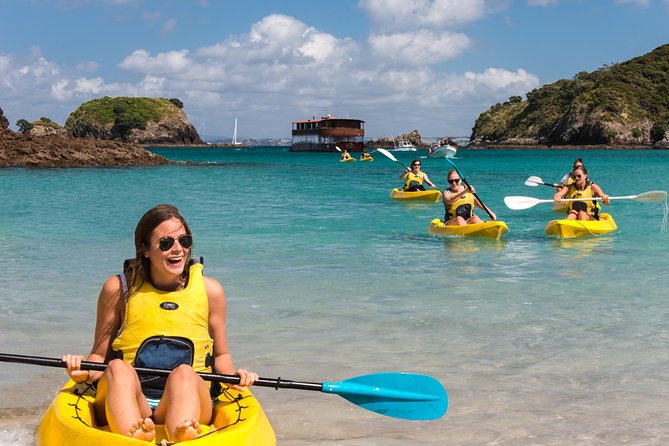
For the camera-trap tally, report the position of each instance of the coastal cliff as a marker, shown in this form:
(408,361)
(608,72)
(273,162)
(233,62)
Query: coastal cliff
(140,120)
(25,150)
(622,105)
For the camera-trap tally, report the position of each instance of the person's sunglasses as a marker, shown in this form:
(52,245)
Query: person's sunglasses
(454,180)
(578,177)
(166,243)
(414,165)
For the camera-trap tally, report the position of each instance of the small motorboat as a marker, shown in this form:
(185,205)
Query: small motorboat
(442,151)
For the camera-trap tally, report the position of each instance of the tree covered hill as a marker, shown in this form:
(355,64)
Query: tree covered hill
(624,104)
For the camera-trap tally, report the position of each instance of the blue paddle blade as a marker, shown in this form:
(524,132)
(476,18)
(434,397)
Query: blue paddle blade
(399,395)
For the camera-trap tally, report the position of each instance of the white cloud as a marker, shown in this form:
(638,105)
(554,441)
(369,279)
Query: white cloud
(542,2)
(419,47)
(642,3)
(88,66)
(168,27)
(169,62)
(401,15)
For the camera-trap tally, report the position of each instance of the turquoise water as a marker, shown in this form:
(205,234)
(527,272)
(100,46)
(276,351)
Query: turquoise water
(537,341)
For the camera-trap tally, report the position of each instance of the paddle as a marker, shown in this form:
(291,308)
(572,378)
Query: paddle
(399,395)
(464,180)
(392,157)
(536,181)
(518,203)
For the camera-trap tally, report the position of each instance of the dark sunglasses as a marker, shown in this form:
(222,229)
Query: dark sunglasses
(166,243)
(454,180)
(578,177)
(414,165)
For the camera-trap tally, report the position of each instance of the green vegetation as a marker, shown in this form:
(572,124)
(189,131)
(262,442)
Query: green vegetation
(621,103)
(119,116)
(24,126)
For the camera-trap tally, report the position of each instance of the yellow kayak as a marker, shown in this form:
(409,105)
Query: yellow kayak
(581,228)
(366,159)
(489,229)
(238,420)
(432,195)
(347,160)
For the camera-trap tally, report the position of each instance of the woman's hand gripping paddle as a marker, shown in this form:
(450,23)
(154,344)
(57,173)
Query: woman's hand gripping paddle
(399,395)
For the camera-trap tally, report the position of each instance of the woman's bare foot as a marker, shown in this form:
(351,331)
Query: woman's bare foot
(143,429)
(187,430)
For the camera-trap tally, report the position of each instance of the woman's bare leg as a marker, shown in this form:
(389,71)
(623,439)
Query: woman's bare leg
(120,400)
(185,404)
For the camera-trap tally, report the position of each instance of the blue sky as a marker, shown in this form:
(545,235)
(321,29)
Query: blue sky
(400,65)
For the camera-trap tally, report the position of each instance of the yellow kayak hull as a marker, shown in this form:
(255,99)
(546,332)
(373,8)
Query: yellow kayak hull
(347,160)
(581,228)
(238,420)
(367,159)
(433,195)
(488,229)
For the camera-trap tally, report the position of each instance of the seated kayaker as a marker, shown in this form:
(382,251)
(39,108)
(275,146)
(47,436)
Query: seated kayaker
(345,156)
(365,156)
(415,178)
(161,313)
(569,177)
(582,187)
(459,202)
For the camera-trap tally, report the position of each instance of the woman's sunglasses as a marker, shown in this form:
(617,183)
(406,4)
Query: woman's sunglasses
(453,180)
(166,243)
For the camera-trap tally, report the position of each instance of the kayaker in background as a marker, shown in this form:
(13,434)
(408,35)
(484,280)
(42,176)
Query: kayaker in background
(582,187)
(365,156)
(459,202)
(415,178)
(162,312)
(568,178)
(345,155)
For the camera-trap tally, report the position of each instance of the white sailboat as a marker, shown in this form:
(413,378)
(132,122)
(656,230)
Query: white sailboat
(234,136)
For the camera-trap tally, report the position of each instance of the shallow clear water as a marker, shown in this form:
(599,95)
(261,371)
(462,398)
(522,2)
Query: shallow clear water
(537,340)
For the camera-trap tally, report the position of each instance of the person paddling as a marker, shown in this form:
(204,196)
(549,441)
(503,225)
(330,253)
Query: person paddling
(459,202)
(161,312)
(415,178)
(582,187)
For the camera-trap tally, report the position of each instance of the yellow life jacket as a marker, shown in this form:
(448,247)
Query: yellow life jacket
(413,178)
(164,329)
(592,207)
(462,207)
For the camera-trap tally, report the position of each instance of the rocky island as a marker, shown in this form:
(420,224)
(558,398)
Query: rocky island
(105,132)
(621,105)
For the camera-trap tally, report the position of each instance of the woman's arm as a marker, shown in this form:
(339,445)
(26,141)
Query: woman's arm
(598,192)
(108,321)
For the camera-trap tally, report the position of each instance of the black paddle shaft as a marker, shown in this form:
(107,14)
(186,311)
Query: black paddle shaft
(230,379)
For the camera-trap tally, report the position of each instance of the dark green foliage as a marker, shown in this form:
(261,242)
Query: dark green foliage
(24,126)
(657,132)
(616,101)
(117,117)
(177,102)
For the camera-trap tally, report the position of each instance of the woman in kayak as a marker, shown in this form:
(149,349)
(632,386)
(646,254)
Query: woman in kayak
(415,178)
(569,178)
(459,202)
(345,156)
(162,312)
(582,187)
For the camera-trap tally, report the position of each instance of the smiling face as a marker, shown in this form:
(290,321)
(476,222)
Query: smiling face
(167,266)
(580,176)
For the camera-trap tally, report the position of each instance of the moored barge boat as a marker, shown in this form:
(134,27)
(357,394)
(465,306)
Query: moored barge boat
(327,133)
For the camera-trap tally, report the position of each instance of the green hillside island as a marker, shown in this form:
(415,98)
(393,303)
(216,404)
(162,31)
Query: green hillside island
(141,120)
(620,105)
